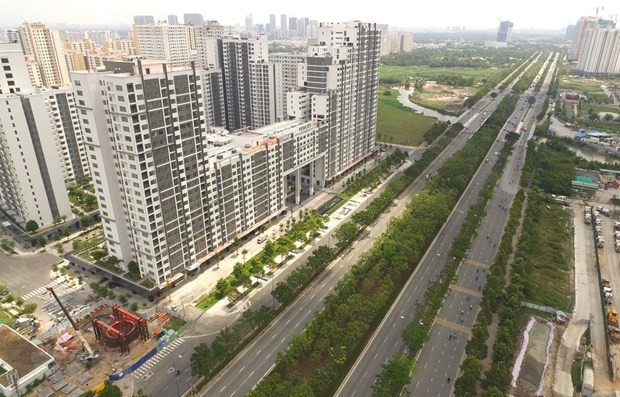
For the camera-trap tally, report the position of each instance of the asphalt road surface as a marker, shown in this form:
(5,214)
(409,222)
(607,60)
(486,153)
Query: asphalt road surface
(458,317)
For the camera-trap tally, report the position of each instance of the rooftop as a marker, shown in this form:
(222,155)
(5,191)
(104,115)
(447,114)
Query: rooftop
(20,354)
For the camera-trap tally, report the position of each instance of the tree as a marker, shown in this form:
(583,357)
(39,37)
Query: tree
(133,268)
(57,219)
(345,234)
(122,298)
(32,226)
(97,255)
(133,307)
(465,385)
(110,390)
(60,249)
(394,376)
(29,308)
(202,360)
(218,257)
(85,221)
(244,252)
(236,242)
(608,117)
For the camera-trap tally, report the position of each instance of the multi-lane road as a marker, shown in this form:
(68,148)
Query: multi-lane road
(456,316)
(257,360)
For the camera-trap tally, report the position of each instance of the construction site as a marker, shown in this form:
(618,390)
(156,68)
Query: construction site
(108,341)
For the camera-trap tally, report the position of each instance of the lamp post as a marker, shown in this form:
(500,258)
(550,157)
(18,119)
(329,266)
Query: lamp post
(176,374)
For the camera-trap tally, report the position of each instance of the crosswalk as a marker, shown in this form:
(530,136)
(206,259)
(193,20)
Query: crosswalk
(144,369)
(41,290)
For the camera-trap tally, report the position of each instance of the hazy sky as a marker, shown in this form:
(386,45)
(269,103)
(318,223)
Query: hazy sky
(549,14)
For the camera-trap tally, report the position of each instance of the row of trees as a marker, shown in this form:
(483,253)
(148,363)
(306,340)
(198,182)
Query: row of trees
(317,358)
(373,178)
(206,362)
(482,58)
(417,332)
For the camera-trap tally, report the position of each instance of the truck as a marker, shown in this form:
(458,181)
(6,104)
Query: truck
(612,318)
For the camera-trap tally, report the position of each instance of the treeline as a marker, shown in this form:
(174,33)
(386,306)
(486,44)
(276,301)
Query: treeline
(558,162)
(487,87)
(455,57)
(316,359)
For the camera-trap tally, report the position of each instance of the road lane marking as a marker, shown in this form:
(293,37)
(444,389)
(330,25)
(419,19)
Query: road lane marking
(451,325)
(468,291)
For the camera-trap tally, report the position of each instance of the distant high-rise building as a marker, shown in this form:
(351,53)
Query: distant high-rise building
(99,37)
(72,36)
(11,36)
(570,32)
(15,76)
(207,37)
(292,26)
(406,42)
(283,24)
(193,19)
(164,42)
(144,20)
(40,150)
(504,34)
(44,47)
(600,54)
(249,23)
(272,24)
(173,20)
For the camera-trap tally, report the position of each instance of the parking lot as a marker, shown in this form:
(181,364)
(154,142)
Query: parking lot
(26,273)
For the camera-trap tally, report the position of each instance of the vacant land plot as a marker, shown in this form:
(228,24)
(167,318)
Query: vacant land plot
(601,109)
(574,83)
(398,124)
(444,98)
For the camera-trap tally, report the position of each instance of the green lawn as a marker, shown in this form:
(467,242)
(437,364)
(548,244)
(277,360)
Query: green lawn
(578,85)
(601,108)
(398,124)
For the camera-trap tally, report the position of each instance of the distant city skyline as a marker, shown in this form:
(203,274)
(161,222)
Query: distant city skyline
(476,14)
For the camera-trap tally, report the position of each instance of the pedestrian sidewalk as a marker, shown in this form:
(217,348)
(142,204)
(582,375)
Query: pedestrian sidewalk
(190,292)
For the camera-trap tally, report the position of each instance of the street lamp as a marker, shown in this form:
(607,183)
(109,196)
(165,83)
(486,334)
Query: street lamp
(176,374)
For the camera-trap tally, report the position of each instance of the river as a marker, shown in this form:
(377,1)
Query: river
(403,98)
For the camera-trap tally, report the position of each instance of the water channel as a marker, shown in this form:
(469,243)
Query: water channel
(403,98)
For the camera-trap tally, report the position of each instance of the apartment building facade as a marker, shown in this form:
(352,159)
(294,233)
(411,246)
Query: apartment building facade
(44,47)
(170,43)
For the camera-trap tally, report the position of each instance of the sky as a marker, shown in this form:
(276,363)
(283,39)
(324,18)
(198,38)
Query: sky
(472,14)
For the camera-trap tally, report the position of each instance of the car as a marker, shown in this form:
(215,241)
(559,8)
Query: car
(261,239)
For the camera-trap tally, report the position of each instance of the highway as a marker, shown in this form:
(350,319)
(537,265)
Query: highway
(441,356)
(386,340)
(258,358)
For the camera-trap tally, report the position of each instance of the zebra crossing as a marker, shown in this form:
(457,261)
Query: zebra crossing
(41,290)
(144,369)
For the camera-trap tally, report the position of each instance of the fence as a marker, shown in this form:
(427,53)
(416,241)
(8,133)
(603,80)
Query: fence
(545,309)
(134,366)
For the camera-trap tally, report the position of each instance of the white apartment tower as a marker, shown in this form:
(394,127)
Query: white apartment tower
(40,144)
(170,43)
(600,55)
(14,76)
(288,76)
(44,46)
(342,76)
(207,44)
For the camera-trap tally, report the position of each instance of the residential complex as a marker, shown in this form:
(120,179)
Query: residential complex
(394,42)
(169,43)
(600,55)
(174,188)
(583,25)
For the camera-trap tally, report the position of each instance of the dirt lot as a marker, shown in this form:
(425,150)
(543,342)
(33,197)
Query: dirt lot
(446,97)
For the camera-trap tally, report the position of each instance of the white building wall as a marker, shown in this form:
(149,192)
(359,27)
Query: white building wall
(16,78)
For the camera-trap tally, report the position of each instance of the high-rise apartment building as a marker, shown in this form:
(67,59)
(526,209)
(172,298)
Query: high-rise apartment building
(272,25)
(288,76)
(43,46)
(292,26)
(15,76)
(164,42)
(144,20)
(504,34)
(600,54)
(193,19)
(249,23)
(571,30)
(249,82)
(581,29)
(98,36)
(342,75)
(283,25)
(41,145)
(207,45)
(11,36)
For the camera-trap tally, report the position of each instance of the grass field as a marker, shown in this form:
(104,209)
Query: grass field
(575,84)
(548,262)
(402,72)
(601,108)
(398,124)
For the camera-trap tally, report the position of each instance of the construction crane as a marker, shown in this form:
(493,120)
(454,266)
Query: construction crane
(87,356)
